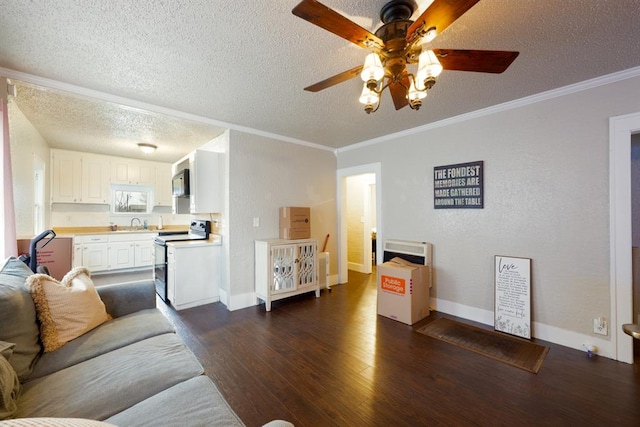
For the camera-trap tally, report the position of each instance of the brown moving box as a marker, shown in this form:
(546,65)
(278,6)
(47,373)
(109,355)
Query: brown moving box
(295,223)
(403,291)
(56,255)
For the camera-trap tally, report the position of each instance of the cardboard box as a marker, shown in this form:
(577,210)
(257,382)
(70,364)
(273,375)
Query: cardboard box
(403,291)
(295,223)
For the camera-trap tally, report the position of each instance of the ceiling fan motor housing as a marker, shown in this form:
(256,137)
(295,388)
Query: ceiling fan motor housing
(394,55)
(397,10)
(395,16)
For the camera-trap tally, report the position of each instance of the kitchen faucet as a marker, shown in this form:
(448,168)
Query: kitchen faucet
(139,223)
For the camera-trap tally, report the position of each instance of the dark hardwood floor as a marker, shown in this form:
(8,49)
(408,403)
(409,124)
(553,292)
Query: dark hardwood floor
(333,361)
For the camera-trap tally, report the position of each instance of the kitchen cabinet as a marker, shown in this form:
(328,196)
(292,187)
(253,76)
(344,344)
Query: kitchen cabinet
(79,177)
(132,172)
(86,178)
(143,256)
(204,182)
(76,260)
(66,172)
(193,273)
(95,179)
(285,268)
(95,252)
(113,251)
(121,255)
(130,250)
(162,189)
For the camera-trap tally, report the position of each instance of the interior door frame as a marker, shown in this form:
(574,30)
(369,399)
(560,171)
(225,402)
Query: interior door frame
(341,192)
(621,277)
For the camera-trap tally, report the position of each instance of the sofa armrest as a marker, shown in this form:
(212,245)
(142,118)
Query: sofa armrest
(125,298)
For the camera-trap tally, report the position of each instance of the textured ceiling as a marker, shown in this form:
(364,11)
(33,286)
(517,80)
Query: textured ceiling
(244,64)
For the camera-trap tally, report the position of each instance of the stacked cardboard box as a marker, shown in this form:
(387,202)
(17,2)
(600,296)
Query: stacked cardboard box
(295,223)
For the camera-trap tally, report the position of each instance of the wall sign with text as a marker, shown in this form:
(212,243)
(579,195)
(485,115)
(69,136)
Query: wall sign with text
(512,312)
(458,186)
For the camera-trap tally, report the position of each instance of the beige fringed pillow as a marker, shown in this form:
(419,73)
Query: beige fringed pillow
(66,309)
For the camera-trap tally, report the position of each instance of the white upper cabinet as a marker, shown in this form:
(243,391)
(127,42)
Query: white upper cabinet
(204,182)
(79,177)
(66,172)
(163,185)
(95,179)
(132,172)
(86,178)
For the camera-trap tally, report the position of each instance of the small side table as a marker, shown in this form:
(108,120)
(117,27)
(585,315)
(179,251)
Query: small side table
(632,329)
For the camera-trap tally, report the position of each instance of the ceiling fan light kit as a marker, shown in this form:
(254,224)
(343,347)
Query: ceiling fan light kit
(397,44)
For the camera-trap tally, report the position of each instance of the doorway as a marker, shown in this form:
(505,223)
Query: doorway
(365,184)
(621,130)
(361,226)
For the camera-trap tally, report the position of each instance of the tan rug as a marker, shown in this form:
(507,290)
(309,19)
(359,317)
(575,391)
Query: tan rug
(496,345)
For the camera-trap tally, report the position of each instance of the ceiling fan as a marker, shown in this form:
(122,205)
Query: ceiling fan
(396,44)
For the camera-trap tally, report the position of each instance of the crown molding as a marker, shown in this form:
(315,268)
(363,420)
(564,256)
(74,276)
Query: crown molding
(128,102)
(510,105)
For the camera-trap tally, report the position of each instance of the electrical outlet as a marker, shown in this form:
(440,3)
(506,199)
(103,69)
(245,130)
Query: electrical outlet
(256,221)
(600,325)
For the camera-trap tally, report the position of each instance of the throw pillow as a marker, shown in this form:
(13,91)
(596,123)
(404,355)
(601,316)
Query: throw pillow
(66,309)
(9,383)
(18,322)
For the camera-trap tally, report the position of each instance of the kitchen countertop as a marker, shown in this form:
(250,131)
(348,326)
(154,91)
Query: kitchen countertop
(214,240)
(74,231)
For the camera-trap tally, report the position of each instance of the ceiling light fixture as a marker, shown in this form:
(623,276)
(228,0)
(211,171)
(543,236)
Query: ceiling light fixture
(394,73)
(147,148)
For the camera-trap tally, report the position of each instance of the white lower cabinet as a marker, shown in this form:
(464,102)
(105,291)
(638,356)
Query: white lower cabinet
(95,252)
(143,256)
(193,273)
(121,255)
(285,268)
(106,252)
(76,260)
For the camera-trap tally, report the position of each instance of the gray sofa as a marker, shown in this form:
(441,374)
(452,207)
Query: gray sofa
(130,371)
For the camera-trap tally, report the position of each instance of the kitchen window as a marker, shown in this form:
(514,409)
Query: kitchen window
(131,199)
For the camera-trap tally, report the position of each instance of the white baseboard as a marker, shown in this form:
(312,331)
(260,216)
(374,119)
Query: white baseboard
(238,302)
(333,280)
(541,331)
(356,267)
(196,303)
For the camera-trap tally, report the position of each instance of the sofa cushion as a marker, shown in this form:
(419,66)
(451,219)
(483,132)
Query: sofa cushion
(66,309)
(105,385)
(9,384)
(195,402)
(109,336)
(18,316)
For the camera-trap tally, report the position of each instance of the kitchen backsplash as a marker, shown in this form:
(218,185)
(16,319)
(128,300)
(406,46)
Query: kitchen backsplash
(69,215)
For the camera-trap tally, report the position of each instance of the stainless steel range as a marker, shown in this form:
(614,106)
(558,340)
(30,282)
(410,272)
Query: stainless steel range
(198,230)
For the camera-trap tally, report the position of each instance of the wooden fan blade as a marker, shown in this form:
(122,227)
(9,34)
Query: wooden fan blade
(440,14)
(481,61)
(399,93)
(338,78)
(320,15)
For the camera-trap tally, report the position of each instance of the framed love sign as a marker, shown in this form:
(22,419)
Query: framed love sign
(512,313)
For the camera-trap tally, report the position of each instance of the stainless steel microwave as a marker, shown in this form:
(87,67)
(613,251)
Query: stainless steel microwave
(180,184)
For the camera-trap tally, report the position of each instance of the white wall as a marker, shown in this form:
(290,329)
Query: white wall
(635,189)
(26,142)
(265,174)
(546,198)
